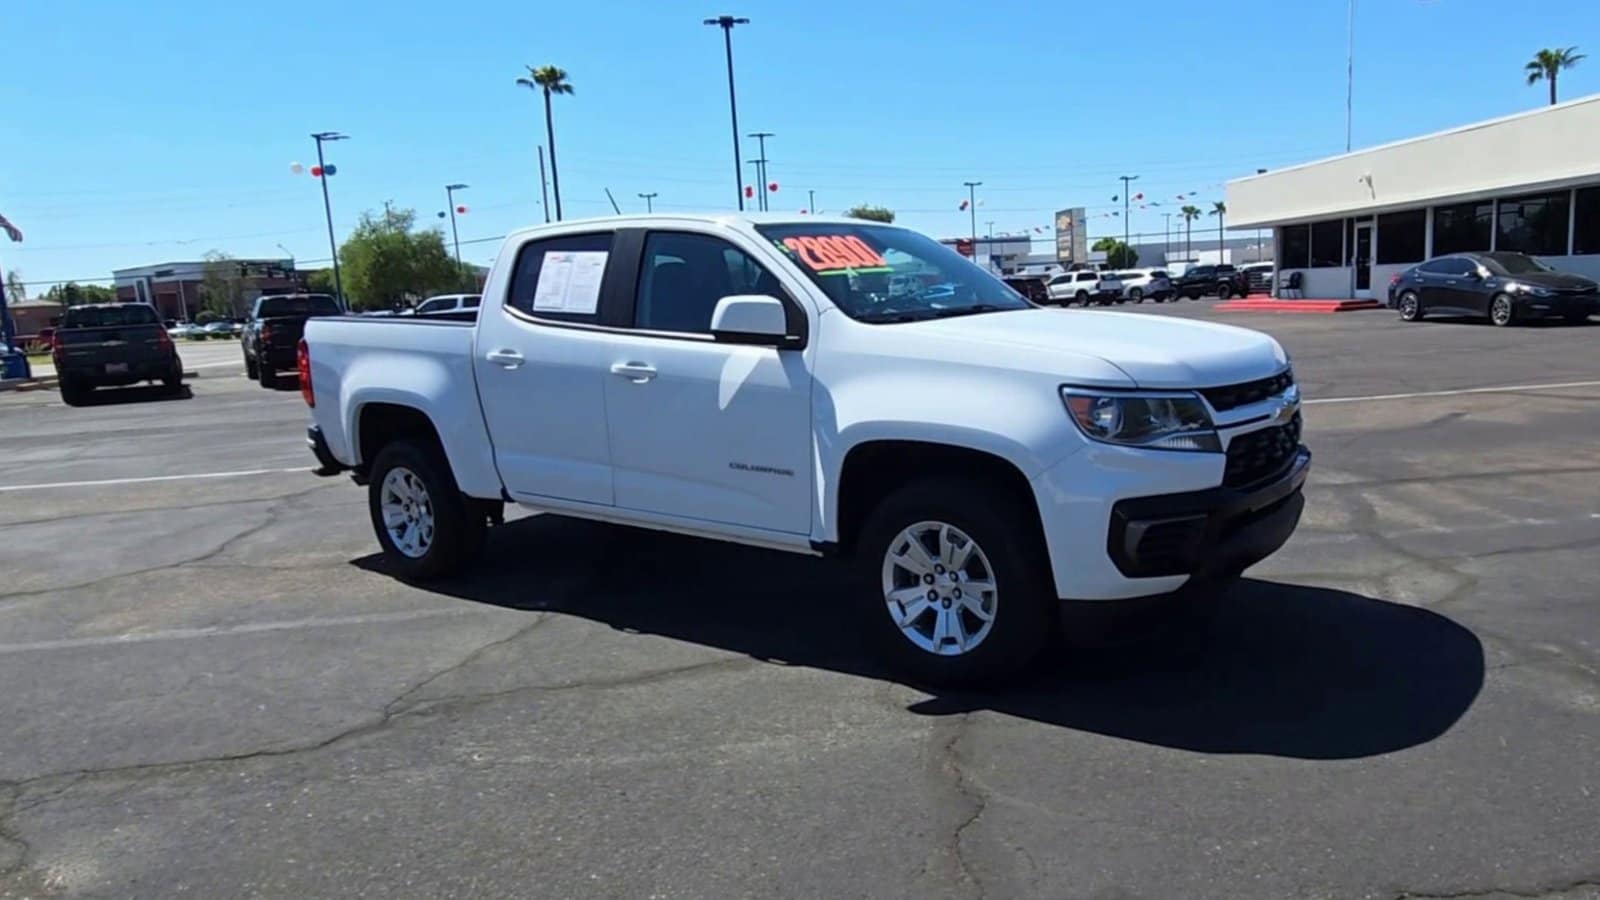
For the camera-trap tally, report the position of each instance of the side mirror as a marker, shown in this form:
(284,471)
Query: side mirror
(750,319)
(1475,275)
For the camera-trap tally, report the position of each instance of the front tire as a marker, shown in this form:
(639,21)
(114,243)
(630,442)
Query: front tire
(1224,292)
(426,527)
(1501,311)
(955,582)
(1082,297)
(1410,307)
(250,368)
(1136,295)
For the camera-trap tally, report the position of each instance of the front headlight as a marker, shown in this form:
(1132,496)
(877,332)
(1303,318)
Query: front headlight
(1157,421)
(1538,291)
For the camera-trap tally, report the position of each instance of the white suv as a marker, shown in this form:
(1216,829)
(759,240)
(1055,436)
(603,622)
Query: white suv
(1138,284)
(448,303)
(1085,286)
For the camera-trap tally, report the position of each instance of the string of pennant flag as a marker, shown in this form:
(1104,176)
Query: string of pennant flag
(1138,200)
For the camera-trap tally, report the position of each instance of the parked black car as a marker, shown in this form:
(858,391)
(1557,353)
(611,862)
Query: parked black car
(273,333)
(1200,281)
(111,345)
(1505,287)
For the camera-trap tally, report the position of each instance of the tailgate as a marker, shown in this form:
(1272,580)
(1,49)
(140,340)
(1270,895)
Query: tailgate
(282,332)
(112,346)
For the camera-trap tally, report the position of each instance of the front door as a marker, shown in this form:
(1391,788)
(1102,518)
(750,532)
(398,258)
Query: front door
(541,375)
(1363,260)
(701,429)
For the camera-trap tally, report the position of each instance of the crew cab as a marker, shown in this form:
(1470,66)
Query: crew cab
(276,323)
(828,387)
(1199,281)
(111,345)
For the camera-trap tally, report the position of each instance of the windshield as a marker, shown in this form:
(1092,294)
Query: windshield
(108,316)
(879,274)
(316,305)
(1514,264)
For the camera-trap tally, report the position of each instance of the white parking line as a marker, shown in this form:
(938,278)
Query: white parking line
(242,473)
(184,634)
(1503,389)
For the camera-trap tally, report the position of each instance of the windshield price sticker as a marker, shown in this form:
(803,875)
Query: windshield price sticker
(836,253)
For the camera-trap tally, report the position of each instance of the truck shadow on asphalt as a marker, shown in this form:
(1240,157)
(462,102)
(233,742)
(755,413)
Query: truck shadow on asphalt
(1280,669)
(143,393)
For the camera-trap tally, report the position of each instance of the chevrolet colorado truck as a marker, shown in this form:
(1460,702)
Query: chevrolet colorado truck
(826,387)
(112,345)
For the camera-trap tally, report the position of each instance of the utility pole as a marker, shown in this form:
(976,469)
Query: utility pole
(1125,180)
(649,207)
(972,208)
(450,197)
(811,201)
(544,187)
(327,208)
(761,170)
(726,23)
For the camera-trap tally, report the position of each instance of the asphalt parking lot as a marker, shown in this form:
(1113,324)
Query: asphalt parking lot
(210,687)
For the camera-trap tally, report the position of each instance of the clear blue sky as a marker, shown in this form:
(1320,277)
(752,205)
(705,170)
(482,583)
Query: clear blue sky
(149,132)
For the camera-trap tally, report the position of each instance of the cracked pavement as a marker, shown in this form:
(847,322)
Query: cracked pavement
(212,688)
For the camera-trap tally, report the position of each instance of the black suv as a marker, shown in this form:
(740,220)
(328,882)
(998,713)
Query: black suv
(112,344)
(1199,281)
(1505,287)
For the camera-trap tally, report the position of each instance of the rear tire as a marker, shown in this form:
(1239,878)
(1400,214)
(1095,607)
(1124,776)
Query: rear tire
(73,394)
(1410,307)
(1082,297)
(250,368)
(267,376)
(426,528)
(1136,295)
(947,516)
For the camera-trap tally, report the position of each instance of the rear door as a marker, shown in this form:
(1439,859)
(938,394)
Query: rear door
(700,429)
(541,362)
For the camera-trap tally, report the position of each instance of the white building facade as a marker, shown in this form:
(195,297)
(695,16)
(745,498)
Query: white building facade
(1528,182)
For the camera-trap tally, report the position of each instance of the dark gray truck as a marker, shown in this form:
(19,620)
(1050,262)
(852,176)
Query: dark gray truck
(273,333)
(111,345)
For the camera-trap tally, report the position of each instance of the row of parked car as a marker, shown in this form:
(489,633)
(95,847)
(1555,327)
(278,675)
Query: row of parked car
(1104,287)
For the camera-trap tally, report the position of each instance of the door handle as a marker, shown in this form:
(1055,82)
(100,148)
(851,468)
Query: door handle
(636,372)
(508,359)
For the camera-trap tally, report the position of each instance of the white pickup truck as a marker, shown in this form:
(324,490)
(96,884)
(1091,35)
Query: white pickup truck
(822,387)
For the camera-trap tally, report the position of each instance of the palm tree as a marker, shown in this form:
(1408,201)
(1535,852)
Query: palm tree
(1219,209)
(550,80)
(1546,63)
(1189,213)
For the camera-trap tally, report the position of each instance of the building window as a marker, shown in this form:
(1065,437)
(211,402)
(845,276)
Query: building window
(1463,228)
(1327,243)
(1536,225)
(1401,237)
(1586,222)
(1296,247)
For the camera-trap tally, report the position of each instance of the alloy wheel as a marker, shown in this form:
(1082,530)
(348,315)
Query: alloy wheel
(407,512)
(939,588)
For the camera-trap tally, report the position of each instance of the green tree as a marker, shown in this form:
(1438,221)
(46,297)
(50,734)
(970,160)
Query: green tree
(1546,64)
(1220,210)
(388,263)
(320,281)
(1189,213)
(550,80)
(1118,254)
(871,213)
(221,285)
(16,291)
(75,294)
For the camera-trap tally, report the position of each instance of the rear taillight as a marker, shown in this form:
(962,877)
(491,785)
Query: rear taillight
(302,368)
(266,333)
(1395,278)
(55,346)
(163,340)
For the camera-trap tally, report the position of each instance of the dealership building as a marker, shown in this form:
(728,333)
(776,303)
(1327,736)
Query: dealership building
(1528,182)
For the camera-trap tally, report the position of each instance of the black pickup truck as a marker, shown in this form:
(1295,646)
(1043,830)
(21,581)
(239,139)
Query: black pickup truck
(112,344)
(274,329)
(1199,281)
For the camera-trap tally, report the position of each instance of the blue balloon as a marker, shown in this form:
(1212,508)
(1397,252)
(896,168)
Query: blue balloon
(330,169)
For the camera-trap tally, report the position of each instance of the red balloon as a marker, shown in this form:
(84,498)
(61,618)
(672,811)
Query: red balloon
(461,209)
(749,191)
(316,171)
(773,187)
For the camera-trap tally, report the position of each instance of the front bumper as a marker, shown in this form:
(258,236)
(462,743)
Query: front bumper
(1558,305)
(96,374)
(1218,531)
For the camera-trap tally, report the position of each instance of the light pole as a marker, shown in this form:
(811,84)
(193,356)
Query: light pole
(450,198)
(327,208)
(726,23)
(649,206)
(761,170)
(811,201)
(972,208)
(1125,180)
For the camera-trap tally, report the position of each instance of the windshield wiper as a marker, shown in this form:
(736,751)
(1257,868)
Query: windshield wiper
(879,317)
(963,310)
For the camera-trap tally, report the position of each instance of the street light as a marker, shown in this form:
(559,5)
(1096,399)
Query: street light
(1125,180)
(972,208)
(649,207)
(327,208)
(726,23)
(450,198)
(761,169)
